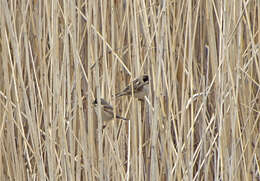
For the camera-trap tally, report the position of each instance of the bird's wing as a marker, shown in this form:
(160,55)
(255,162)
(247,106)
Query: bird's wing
(108,108)
(137,86)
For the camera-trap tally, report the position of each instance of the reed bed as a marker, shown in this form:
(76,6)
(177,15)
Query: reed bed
(201,120)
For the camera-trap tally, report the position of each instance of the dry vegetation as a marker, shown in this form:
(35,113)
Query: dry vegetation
(201,120)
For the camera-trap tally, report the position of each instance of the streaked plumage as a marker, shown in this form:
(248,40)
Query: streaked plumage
(140,88)
(106,110)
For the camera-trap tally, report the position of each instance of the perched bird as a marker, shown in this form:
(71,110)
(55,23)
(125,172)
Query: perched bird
(106,110)
(140,88)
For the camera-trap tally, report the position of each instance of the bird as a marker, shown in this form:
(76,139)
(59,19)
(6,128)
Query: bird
(107,113)
(140,88)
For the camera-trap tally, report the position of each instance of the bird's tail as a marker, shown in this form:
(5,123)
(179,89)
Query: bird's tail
(119,117)
(119,94)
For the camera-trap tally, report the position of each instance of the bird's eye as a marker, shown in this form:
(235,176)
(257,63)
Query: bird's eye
(145,78)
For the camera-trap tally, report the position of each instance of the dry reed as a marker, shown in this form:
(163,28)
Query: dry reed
(201,120)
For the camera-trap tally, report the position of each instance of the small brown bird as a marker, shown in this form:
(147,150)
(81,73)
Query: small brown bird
(140,88)
(106,110)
